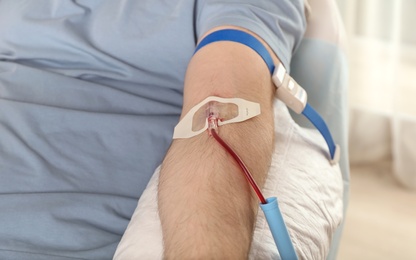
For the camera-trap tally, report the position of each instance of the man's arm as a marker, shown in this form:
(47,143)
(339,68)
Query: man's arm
(206,206)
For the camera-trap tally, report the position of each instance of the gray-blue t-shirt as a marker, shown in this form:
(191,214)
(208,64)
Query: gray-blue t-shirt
(90,91)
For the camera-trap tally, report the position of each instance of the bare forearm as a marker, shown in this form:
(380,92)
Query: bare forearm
(206,206)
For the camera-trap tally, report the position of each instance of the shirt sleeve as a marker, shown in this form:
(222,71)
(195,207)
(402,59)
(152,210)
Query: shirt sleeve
(280,23)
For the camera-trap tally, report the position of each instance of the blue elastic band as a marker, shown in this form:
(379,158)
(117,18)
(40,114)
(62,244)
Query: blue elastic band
(257,46)
(241,37)
(319,123)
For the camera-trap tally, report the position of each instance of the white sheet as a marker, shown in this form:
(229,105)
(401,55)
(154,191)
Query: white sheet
(308,188)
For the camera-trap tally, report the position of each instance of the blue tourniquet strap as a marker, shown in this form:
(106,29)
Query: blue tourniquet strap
(251,41)
(240,37)
(319,123)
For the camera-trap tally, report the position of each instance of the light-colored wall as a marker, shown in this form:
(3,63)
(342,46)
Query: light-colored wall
(375,18)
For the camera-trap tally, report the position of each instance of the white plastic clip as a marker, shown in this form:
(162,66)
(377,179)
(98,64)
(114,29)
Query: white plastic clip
(288,90)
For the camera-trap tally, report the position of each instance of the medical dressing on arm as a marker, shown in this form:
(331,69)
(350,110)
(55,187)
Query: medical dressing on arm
(230,110)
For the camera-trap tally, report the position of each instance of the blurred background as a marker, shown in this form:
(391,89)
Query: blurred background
(381,217)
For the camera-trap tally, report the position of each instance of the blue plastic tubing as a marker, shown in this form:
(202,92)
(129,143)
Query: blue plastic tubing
(278,228)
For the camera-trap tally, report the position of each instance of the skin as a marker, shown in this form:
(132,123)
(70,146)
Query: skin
(206,206)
